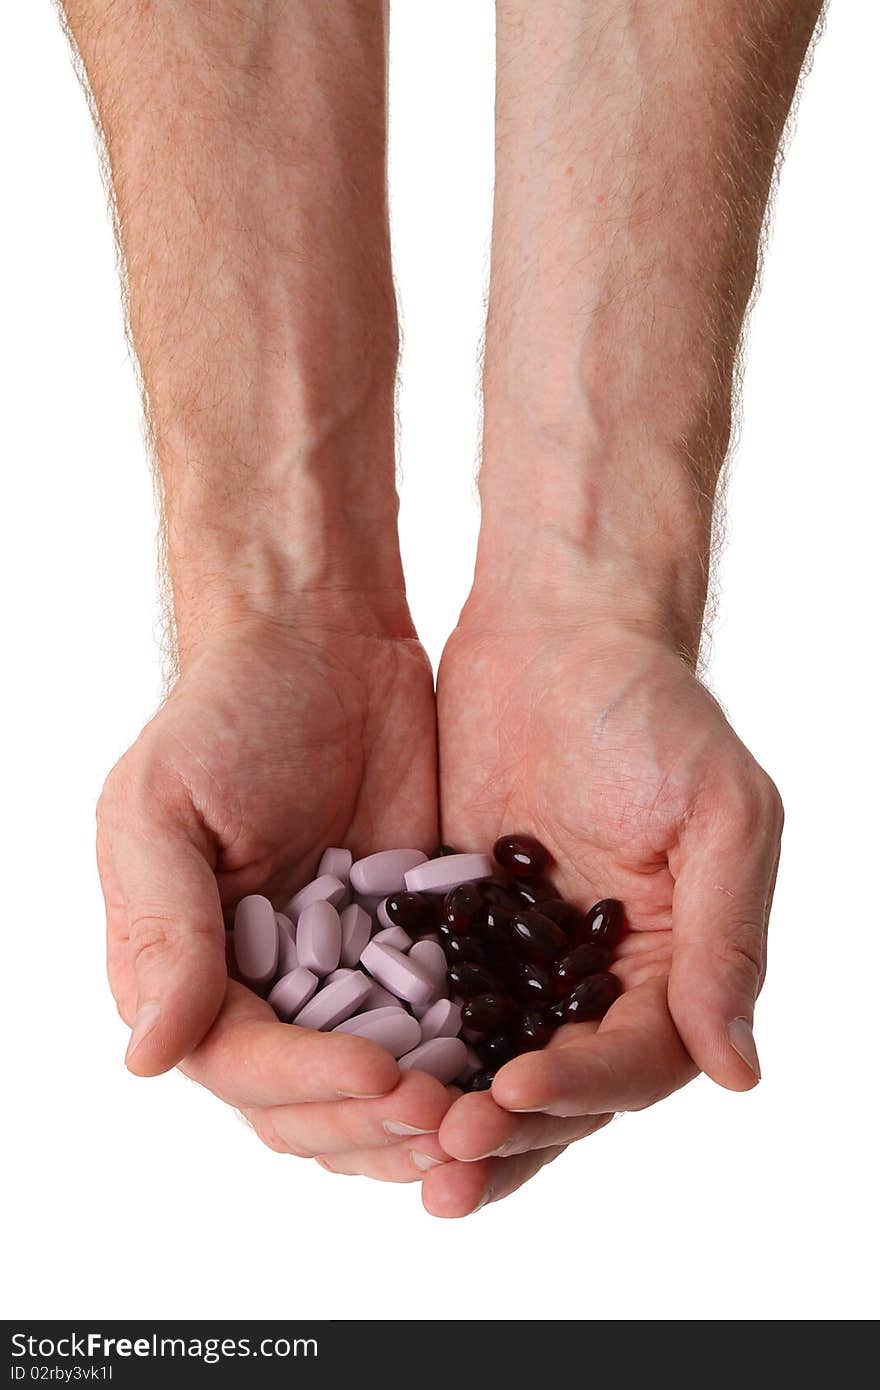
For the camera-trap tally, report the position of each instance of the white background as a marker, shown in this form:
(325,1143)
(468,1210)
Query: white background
(150,1198)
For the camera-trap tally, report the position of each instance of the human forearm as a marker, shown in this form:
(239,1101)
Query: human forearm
(247,149)
(635,151)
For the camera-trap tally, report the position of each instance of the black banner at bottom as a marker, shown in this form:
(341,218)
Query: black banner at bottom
(138,1353)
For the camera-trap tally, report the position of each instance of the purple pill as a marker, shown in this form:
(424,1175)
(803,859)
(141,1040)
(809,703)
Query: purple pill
(339,974)
(336,862)
(255,939)
(393,936)
(319,937)
(379,998)
(432,960)
(442,1020)
(292,992)
(327,888)
(383,873)
(402,976)
(440,1057)
(334,1003)
(441,875)
(287,958)
(356,925)
(393,1029)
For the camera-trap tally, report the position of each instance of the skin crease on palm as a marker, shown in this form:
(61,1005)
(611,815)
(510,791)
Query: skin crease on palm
(635,150)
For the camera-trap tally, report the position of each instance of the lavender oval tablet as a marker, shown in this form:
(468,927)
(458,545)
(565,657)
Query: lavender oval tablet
(356,924)
(292,992)
(393,1029)
(336,862)
(403,977)
(319,937)
(432,959)
(334,1003)
(440,1057)
(255,939)
(383,873)
(379,998)
(441,875)
(287,958)
(442,1020)
(327,888)
(339,974)
(393,936)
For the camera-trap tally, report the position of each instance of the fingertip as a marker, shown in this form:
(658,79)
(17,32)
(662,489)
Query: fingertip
(521,1085)
(474,1128)
(454,1190)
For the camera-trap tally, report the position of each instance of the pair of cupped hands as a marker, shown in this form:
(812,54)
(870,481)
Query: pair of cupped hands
(282,737)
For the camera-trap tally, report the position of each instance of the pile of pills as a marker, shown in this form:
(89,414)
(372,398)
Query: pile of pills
(454,963)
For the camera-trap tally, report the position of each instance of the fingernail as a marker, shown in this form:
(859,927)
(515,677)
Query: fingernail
(395,1127)
(361,1095)
(145,1021)
(424,1161)
(484,1201)
(742,1040)
(493,1153)
(526,1109)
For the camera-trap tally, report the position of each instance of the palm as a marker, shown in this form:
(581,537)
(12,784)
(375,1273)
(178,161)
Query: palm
(602,751)
(284,742)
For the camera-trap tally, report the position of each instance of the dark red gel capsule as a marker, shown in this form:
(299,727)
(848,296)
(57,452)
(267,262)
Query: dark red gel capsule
(531,984)
(521,855)
(500,895)
(536,937)
(604,923)
(442,850)
(487,1013)
(592,998)
(412,911)
(462,905)
(460,946)
(534,893)
(482,1081)
(570,918)
(584,960)
(532,1030)
(496,1051)
(469,979)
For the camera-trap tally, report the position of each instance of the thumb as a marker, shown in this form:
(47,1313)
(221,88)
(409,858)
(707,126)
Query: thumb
(167,929)
(720,909)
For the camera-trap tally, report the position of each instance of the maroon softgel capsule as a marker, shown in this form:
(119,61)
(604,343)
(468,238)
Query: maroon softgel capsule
(521,855)
(462,906)
(460,946)
(537,938)
(412,911)
(482,1081)
(487,1013)
(604,924)
(531,984)
(494,1052)
(533,893)
(532,1030)
(586,959)
(468,980)
(592,998)
(570,918)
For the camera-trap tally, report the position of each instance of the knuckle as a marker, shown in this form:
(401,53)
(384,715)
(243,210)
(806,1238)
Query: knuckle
(741,951)
(269,1135)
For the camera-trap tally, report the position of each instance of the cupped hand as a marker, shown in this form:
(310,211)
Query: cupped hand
(603,744)
(276,741)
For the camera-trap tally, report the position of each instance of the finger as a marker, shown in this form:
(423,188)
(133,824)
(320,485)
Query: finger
(249,1059)
(634,1059)
(413,1109)
(459,1189)
(406,1161)
(720,909)
(168,926)
(477,1127)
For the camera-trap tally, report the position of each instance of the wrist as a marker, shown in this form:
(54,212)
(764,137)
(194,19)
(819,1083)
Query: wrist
(292,567)
(593,542)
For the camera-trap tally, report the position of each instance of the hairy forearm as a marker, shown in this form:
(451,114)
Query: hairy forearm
(246,146)
(636,145)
